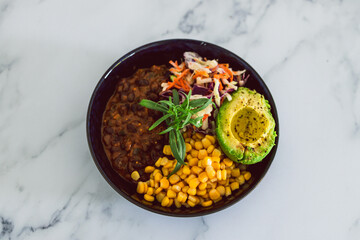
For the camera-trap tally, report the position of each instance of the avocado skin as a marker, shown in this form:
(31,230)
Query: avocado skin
(231,146)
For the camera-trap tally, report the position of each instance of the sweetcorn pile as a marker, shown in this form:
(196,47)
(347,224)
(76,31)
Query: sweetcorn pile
(206,178)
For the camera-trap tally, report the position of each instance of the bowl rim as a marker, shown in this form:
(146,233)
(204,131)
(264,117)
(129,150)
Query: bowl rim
(141,205)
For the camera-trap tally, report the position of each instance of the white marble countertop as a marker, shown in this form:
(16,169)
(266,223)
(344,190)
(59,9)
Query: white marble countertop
(53,53)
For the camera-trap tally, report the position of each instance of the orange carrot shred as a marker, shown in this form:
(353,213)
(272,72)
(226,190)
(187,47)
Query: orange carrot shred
(227,70)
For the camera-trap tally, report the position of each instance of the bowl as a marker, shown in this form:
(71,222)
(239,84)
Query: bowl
(158,53)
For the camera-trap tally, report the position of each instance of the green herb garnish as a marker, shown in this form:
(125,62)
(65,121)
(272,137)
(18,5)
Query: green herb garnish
(177,116)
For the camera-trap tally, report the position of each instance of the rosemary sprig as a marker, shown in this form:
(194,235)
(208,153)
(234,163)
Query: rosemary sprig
(177,116)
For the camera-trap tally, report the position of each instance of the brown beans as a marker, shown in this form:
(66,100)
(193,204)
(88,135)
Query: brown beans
(131,97)
(107,139)
(131,128)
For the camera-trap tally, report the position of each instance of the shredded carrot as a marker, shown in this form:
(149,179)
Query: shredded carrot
(227,70)
(200,74)
(205,117)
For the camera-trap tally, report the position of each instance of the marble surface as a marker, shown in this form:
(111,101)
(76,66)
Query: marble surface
(53,53)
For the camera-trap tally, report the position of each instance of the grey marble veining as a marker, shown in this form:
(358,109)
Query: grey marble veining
(53,53)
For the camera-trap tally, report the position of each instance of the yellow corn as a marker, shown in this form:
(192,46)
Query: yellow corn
(192,143)
(223,174)
(205,142)
(158,163)
(165,201)
(187,140)
(194,153)
(140,187)
(234,186)
(188,147)
(216,153)
(210,171)
(164,183)
(149,169)
(199,135)
(170,193)
(167,150)
(181,197)
(160,196)
(176,188)
(169,164)
(150,191)
(198,145)
(149,198)
(193,183)
(221,190)
(158,190)
(152,183)
(214,194)
(227,191)
(177,203)
(240,179)
(173,179)
(193,199)
(196,169)
(191,203)
(203,177)
(135,175)
(206,162)
(170,202)
(193,161)
(202,185)
(164,161)
(202,154)
(247,176)
(211,138)
(210,149)
(206,203)
(201,192)
(235,172)
(185,189)
(186,170)
(216,165)
(165,171)
(218,174)
(158,177)
(181,184)
(191,191)
(228,162)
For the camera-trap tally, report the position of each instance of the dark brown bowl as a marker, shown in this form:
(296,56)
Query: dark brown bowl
(158,53)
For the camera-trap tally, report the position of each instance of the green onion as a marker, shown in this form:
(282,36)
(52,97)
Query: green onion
(177,116)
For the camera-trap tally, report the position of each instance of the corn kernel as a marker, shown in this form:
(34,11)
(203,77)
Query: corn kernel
(222,182)
(173,179)
(177,203)
(206,203)
(210,149)
(221,190)
(171,201)
(211,138)
(150,191)
(160,196)
(202,154)
(176,188)
(165,201)
(235,172)
(152,183)
(158,190)
(201,192)
(193,161)
(158,163)
(164,183)
(223,174)
(210,171)
(217,200)
(135,175)
(216,153)
(199,135)
(169,164)
(185,189)
(183,176)
(215,159)
(218,175)
(149,198)
(186,170)
(192,143)
(165,171)
(216,165)
(194,153)
(214,194)
(170,193)
(193,183)
(234,186)
(191,203)
(188,147)
(181,184)
(164,161)
(228,162)
(202,185)
(206,162)
(193,199)
(203,177)
(240,179)
(198,145)
(181,197)
(227,191)
(187,140)
(149,169)
(140,187)
(205,142)
(247,176)
(196,169)
(158,177)
(191,191)
(167,150)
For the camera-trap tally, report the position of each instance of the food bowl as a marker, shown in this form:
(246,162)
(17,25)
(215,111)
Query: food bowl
(158,53)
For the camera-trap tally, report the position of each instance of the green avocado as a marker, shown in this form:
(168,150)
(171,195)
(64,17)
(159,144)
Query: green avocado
(245,127)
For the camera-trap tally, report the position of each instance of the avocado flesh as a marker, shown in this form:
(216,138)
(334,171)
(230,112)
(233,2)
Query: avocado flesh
(245,127)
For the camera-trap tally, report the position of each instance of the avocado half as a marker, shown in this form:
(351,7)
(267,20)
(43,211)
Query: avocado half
(245,127)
